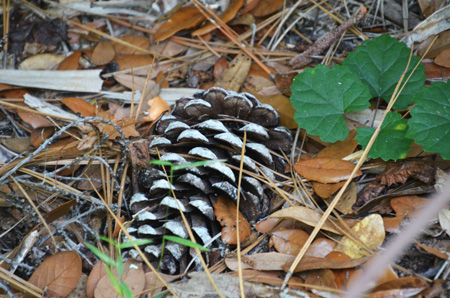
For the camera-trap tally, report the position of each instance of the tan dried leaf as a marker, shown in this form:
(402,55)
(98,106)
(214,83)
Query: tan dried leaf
(97,272)
(233,77)
(306,216)
(325,170)
(60,273)
(103,53)
(41,62)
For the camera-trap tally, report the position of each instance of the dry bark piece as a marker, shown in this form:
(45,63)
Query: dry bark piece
(303,59)
(60,273)
(399,172)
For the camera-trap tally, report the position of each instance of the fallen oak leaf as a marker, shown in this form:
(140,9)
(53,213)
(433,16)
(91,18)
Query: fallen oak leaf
(289,241)
(60,273)
(305,215)
(325,170)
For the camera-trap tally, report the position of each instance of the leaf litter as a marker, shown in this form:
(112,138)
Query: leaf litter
(74,168)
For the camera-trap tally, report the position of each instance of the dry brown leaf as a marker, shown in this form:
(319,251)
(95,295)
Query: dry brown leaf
(139,41)
(133,276)
(79,106)
(369,231)
(321,278)
(103,53)
(340,149)
(325,170)
(320,248)
(60,273)
(433,251)
(269,261)
(38,136)
(407,205)
(248,6)
(225,211)
(226,16)
(430,6)
(71,62)
(97,272)
(284,81)
(348,199)
(314,263)
(400,287)
(306,216)
(138,83)
(256,83)
(289,241)
(266,7)
(34,120)
(18,145)
(441,43)
(436,72)
(269,277)
(443,59)
(185,18)
(14,93)
(325,190)
(157,107)
(220,65)
(265,225)
(132,61)
(233,77)
(41,62)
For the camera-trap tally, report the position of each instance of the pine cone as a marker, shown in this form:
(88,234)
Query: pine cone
(208,126)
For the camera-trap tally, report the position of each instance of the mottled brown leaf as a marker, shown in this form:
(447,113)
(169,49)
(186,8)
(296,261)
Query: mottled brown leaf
(399,172)
(289,241)
(225,211)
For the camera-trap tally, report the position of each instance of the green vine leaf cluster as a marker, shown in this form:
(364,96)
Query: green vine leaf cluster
(321,96)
